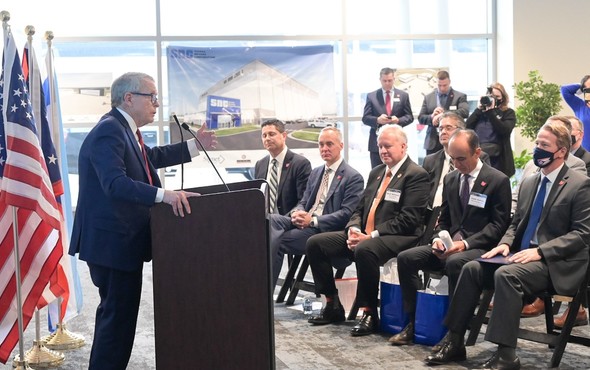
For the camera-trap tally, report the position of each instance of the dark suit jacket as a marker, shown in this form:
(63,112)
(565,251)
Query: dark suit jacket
(456,101)
(433,164)
(294,175)
(375,106)
(342,198)
(112,223)
(564,227)
(584,155)
(482,228)
(503,123)
(405,217)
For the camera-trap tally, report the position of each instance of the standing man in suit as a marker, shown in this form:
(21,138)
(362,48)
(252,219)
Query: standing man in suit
(285,171)
(549,236)
(331,195)
(118,185)
(387,220)
(439,163)
(475,212)
(442,99)
(385,106)
(577,139)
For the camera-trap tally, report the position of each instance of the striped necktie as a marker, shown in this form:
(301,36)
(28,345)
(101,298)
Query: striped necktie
(321,191)
(274,186)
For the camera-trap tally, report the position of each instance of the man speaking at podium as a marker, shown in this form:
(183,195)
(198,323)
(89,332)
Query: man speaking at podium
(118,185)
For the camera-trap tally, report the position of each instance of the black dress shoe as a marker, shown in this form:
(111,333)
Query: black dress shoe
(329,314)
(497,362)
(368,324)
(404,337)
(449,352)
(440,344)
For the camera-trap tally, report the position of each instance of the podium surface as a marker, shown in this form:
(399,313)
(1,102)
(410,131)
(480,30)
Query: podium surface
(212,296)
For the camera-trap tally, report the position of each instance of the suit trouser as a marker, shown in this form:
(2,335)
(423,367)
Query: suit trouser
(368,255)
(410,261)
(286,239)
(511,283)
(116,316)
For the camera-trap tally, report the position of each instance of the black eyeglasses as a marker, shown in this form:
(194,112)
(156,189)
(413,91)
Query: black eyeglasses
(153,97)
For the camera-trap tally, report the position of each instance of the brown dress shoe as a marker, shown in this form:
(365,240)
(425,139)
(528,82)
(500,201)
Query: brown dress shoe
(404,337)
(534,309)
(581,318)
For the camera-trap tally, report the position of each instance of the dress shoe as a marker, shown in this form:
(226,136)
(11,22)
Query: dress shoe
(497,362)
(581,318)
(534,309)
(450,351)
(442,342)
(331,313)
(368,324)
(404,337)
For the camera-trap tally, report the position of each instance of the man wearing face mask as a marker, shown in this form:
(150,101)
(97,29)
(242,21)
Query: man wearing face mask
(535,306)
(546,246)
(577,139)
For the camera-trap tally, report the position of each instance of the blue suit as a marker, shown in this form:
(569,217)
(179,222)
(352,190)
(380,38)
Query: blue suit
(112,228)
(341,200)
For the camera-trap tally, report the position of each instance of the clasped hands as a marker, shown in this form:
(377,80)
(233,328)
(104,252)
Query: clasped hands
(386,120)
(300,219)
(355,236)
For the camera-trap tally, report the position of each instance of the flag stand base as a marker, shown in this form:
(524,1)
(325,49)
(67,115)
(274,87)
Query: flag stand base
(42,357)
(63,339)
(21,365)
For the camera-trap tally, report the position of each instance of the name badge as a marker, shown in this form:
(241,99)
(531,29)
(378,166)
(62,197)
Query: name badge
(393,195)
(453,107)
(477,200)
(396,100)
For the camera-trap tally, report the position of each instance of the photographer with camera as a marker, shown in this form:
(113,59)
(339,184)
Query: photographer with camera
(577,96)
(493,121)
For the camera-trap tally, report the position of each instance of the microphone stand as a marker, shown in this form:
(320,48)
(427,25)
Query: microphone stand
(185,126)
(181,153)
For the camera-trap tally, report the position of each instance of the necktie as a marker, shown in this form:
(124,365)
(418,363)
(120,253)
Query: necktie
(465,192)
(451,165)
(371,217)
(323,188)
(388,102)
(145,160)
(442,100)
(535,215)
(274,186)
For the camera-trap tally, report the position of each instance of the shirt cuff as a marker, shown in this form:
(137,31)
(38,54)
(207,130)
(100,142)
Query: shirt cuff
(466,244)
(192,147)
(374,234)
(160,195)
(314,222)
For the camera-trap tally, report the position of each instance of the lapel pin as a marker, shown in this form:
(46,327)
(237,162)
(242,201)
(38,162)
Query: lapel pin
(561,182)
(483,183)
(399,175)
(339,177)
(287,165)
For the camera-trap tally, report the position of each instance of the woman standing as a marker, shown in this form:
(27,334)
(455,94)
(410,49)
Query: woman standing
(493,121)
(580,105)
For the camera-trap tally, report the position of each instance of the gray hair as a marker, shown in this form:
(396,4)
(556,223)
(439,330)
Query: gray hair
(129,82)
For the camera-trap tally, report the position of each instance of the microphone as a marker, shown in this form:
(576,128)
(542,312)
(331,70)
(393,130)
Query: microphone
(181,153)
(185,126)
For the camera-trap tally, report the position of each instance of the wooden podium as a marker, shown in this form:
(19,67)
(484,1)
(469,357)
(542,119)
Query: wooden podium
(212,288)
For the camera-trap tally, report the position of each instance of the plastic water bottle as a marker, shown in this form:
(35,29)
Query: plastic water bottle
(307,306)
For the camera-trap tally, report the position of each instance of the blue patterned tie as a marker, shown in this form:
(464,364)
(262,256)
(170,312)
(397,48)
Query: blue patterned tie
(464,196)
(535,215)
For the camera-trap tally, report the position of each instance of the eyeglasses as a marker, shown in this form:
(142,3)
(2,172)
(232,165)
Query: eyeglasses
(445,128)
(153,97)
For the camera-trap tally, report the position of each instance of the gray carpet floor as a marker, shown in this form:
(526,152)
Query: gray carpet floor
(302,346)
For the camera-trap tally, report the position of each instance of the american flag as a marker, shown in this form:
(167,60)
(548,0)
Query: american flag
(25,184)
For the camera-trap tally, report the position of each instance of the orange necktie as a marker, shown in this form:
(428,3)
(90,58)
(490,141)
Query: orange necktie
(145,160)
(371,217)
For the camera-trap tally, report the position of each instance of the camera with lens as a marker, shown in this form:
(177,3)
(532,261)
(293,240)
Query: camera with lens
(488,99)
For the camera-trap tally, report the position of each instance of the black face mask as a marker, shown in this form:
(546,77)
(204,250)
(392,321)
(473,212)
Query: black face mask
(573,139)
(543,158)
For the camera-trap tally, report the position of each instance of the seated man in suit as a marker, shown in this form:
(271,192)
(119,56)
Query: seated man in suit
(387,220)
(577,138)
(439,163)
(475,212)
(549,237)
(286,172)
(443,98)
(385,106)
(331,195)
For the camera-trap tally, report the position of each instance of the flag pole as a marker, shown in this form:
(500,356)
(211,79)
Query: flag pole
(61,338)
(38,355)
